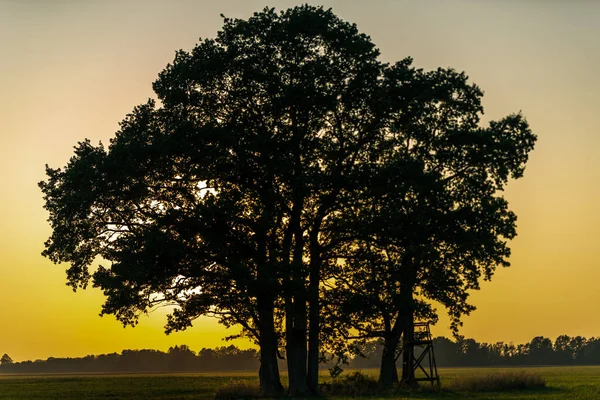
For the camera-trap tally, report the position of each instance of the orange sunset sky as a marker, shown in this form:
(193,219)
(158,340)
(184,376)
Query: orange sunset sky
(71,70)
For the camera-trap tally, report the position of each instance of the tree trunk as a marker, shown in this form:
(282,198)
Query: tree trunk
(296,315)
(388,373)
(408,354)
(270,382)
(296,348)
(268,373)
(408,331)
(314,308)
(402,328)
(313,333)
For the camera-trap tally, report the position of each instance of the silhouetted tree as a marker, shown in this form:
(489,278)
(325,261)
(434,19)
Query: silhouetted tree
(181,358)
(218,200)
(5,359)
(432,222)
(563,353)
(540,350)
(577,346)
(447,352)
(278,149)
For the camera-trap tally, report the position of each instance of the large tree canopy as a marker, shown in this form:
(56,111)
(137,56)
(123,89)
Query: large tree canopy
(282,165)
(433,221)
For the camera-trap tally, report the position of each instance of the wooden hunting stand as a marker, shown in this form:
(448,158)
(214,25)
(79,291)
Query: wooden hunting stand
(418,336)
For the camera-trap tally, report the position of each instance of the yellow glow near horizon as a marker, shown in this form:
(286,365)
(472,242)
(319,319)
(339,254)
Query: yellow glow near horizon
(72,70)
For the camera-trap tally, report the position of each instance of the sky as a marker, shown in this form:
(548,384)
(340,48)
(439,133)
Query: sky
(71,70)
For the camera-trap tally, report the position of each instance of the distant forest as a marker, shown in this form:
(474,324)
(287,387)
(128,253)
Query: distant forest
(565,350)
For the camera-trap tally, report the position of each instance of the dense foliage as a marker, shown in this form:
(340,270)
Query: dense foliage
(290,183)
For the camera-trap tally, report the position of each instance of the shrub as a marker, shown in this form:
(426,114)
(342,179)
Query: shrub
(239,390)
(496,382)
(354,384)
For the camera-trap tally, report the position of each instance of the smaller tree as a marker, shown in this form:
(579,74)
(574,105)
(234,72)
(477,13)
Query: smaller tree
(6,360)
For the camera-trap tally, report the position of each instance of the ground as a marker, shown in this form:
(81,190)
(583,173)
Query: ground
(576,383)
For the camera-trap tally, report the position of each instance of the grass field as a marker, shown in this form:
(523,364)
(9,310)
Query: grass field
(562,383)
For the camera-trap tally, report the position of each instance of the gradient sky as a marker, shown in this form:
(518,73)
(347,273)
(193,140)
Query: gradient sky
(71,70)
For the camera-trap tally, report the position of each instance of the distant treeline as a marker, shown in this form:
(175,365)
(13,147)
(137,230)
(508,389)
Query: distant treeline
(176,359)
(565,350)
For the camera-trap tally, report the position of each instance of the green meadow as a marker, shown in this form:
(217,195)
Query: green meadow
(561,383)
